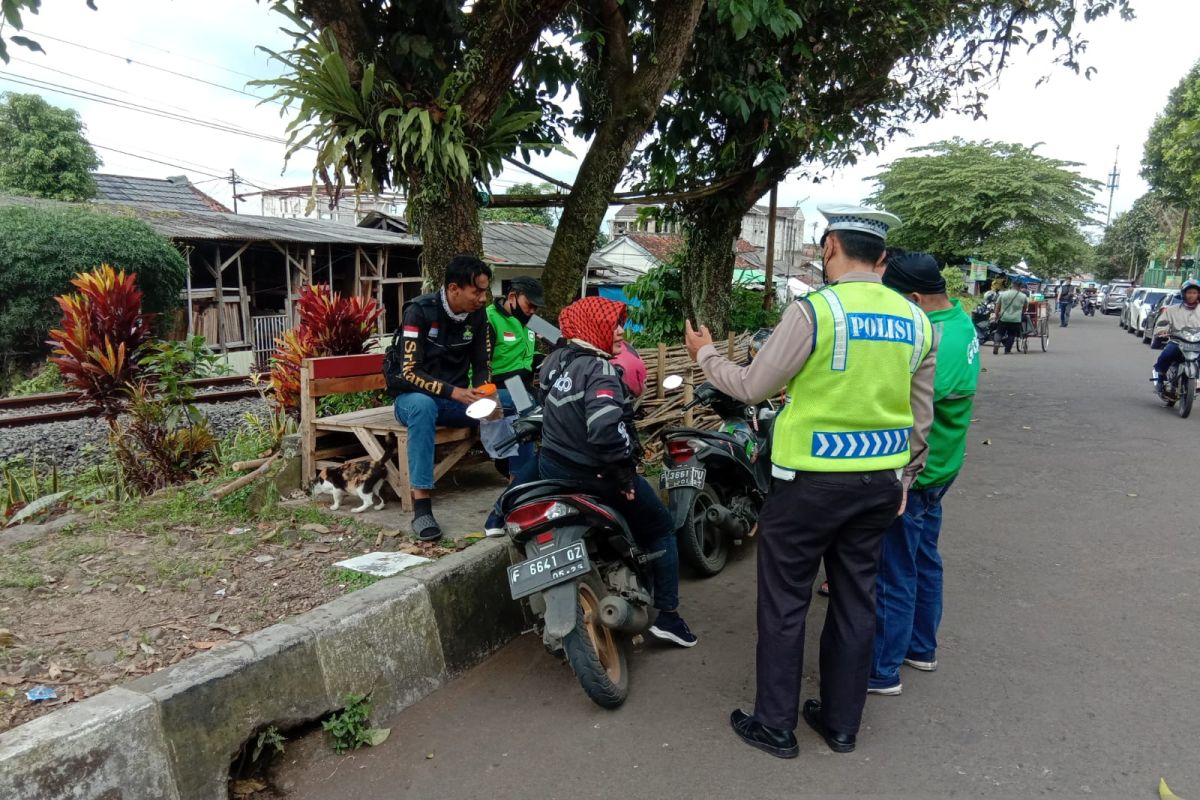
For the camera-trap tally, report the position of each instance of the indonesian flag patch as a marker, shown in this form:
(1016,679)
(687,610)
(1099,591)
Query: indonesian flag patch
(607,394)
(411,332)
(509,336)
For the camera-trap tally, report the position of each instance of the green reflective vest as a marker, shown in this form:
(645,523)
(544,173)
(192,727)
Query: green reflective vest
(512,344)
(849,407)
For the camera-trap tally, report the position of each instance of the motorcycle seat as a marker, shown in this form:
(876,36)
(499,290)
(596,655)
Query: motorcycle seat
(669,432)
(537,490)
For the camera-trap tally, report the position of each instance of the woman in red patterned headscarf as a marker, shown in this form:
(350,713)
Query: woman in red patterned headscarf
(587,436)
(595,321)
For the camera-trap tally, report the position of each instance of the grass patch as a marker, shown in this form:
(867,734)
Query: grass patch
(76,549)
(18,573)
(351,579)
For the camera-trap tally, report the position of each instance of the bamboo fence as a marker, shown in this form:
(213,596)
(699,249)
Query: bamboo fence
(663,409)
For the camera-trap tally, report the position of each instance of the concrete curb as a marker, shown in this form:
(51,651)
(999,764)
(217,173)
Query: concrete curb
(172,735)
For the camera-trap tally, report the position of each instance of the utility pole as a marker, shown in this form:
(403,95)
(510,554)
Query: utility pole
(769,284)
(1114,180)
(233,181)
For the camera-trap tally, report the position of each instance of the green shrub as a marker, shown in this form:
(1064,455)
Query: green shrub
(45,380)
(43,249)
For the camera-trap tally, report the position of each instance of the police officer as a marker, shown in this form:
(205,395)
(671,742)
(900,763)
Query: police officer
(857,361)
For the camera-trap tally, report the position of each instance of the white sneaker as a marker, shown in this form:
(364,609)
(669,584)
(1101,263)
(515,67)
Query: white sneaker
(924,666)
(889,691)
(492,533)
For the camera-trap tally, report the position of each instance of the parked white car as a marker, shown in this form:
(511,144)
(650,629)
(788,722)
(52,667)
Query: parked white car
(1139,310)
(1134,297)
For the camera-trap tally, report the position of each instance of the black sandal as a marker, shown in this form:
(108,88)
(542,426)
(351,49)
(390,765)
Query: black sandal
(426,528)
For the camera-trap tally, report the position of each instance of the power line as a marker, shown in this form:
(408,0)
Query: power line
(112,88)
(129,60)
(83,94)
(157,161)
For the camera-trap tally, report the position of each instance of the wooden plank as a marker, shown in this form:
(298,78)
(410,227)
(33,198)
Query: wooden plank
(308,433)
(452,457)
(220,304)
(397,478)
(360,383)
(347,366)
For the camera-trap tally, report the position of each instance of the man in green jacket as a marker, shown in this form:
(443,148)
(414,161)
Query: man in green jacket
(908,589)
(512,355)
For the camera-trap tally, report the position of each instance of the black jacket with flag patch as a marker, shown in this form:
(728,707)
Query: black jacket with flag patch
(439,353)
(585,410)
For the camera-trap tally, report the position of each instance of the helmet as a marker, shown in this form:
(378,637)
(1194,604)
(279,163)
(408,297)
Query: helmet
(1190,283)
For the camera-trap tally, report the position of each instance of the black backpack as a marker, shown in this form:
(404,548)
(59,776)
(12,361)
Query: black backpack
(393,365)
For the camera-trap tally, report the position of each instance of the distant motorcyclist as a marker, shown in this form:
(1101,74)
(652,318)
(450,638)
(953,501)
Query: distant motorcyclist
(1177,318)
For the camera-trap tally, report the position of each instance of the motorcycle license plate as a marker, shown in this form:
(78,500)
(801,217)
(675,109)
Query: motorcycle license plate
(547,570)
(684,477)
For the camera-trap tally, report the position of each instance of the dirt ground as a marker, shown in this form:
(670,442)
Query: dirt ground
(123,592)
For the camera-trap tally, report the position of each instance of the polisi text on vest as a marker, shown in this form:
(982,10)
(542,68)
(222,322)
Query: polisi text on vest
(881,328)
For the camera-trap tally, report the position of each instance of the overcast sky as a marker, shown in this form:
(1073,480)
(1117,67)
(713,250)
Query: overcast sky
(214,42)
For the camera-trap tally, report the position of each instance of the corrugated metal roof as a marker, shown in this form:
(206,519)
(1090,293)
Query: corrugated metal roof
(210,225)
(174,193)
(517,243)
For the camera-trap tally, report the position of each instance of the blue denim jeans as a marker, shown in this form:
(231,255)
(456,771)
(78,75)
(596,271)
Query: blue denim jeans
(651,524)
(908,589)
(422,414)
(1064,313)
(1169,355)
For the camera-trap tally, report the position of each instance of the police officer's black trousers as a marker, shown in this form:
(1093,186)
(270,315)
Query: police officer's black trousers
(840,517)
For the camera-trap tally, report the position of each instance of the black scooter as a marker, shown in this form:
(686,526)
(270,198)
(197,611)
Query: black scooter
(985,326)
(583,575)
(716,481)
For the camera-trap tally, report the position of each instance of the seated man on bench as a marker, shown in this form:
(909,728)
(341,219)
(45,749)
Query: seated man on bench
(446,348)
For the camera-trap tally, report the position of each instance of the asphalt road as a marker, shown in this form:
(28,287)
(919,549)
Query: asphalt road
(1070,649)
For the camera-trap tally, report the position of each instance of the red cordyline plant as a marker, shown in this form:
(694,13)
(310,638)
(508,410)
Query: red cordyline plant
(103,330)
(330,325)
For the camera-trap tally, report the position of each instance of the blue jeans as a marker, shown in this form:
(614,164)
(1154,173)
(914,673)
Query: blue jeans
(651,524)
(908,589)
(1169,355)
(422,414)
(1064,312)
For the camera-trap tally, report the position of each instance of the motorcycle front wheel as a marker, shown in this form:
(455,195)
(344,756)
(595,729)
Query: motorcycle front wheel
(702,546)
(597,653)
(1187,393)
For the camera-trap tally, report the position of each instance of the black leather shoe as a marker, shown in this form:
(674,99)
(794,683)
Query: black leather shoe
(781,744)
(838,742)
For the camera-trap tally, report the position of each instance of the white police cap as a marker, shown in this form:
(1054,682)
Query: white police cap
(843,217)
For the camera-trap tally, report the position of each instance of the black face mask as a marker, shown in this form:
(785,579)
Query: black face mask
(520,315)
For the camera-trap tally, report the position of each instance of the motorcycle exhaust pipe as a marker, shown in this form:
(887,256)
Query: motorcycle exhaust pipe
(621,615)
(724,520)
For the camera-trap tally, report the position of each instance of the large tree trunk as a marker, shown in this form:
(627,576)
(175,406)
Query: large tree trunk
(633,99)
(447,229)
(713,228)
(584,211)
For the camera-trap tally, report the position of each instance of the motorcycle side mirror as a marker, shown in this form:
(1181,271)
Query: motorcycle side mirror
(672,382)
(481,409)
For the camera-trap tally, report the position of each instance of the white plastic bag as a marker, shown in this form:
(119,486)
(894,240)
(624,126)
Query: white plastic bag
(494,432)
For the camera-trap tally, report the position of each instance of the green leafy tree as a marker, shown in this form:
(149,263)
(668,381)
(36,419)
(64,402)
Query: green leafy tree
(43,152)
(536,216)
(1148,230)
(1171,160)
(11,15)
(774,88)
(44,249)
(993,200)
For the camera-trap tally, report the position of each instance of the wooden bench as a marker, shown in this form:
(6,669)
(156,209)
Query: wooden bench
(320,377)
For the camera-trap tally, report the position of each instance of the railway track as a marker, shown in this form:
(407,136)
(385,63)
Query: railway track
(36,409)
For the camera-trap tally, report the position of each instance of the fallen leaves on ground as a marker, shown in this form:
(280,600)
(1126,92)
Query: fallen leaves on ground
(1164,791)
(247,787)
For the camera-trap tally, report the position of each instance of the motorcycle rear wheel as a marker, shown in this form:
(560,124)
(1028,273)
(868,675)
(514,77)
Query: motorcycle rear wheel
(703,547)
(1187,393)
(597,654)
